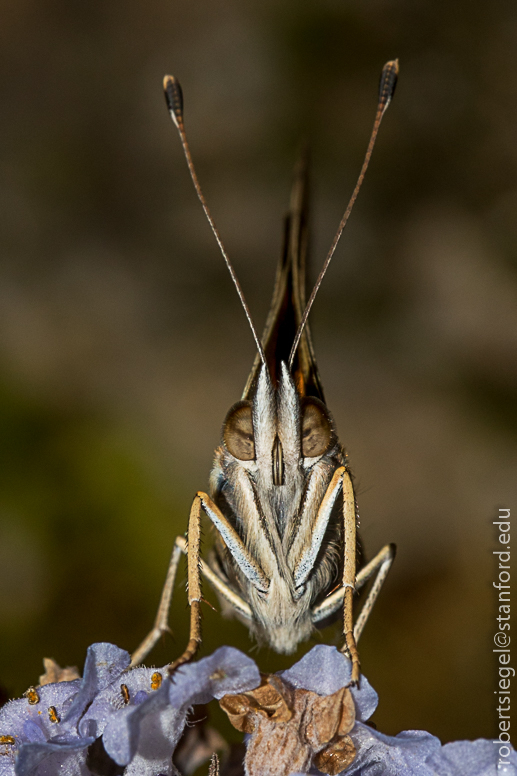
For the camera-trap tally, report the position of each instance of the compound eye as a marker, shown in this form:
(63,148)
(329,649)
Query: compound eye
(238,432)
(316,428)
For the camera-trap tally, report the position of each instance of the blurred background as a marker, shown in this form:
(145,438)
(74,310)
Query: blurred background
(122,343)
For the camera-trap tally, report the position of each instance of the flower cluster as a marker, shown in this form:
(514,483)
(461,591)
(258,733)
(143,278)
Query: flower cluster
(117,720)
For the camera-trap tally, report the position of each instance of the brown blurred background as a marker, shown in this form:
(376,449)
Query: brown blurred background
(122,343)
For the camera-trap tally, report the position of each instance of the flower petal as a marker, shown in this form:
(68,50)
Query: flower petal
(473,758)
(130,688)
(401,755)
(47,759)
(226,671)
(325,670)
(104,663)
(152,728)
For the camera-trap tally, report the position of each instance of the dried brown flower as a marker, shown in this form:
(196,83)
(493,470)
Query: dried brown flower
(54,672)
(293,729)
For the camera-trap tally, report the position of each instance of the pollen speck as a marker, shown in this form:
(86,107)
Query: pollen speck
(156,680)
(32,696)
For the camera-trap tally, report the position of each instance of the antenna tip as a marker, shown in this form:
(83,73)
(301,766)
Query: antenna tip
(174,99)
(388,82)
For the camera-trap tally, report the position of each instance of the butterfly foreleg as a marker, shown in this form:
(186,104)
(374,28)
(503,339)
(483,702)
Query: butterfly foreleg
(191,548)
(203,503)
(194,582)
(161,624)
(340,481)
(349,569)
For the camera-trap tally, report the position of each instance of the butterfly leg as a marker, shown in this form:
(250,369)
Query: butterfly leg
(203,503)
(181,546)
(161,623)
(349,581)
(343,597)
(380,565)
(194,583)
(161,626)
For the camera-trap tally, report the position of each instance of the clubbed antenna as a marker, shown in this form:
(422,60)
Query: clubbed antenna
(174,99)
(386,89)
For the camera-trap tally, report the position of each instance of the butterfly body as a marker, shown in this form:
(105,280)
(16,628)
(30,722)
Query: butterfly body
(281,499)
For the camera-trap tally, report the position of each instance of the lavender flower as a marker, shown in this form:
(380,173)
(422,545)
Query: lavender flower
(118,720)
